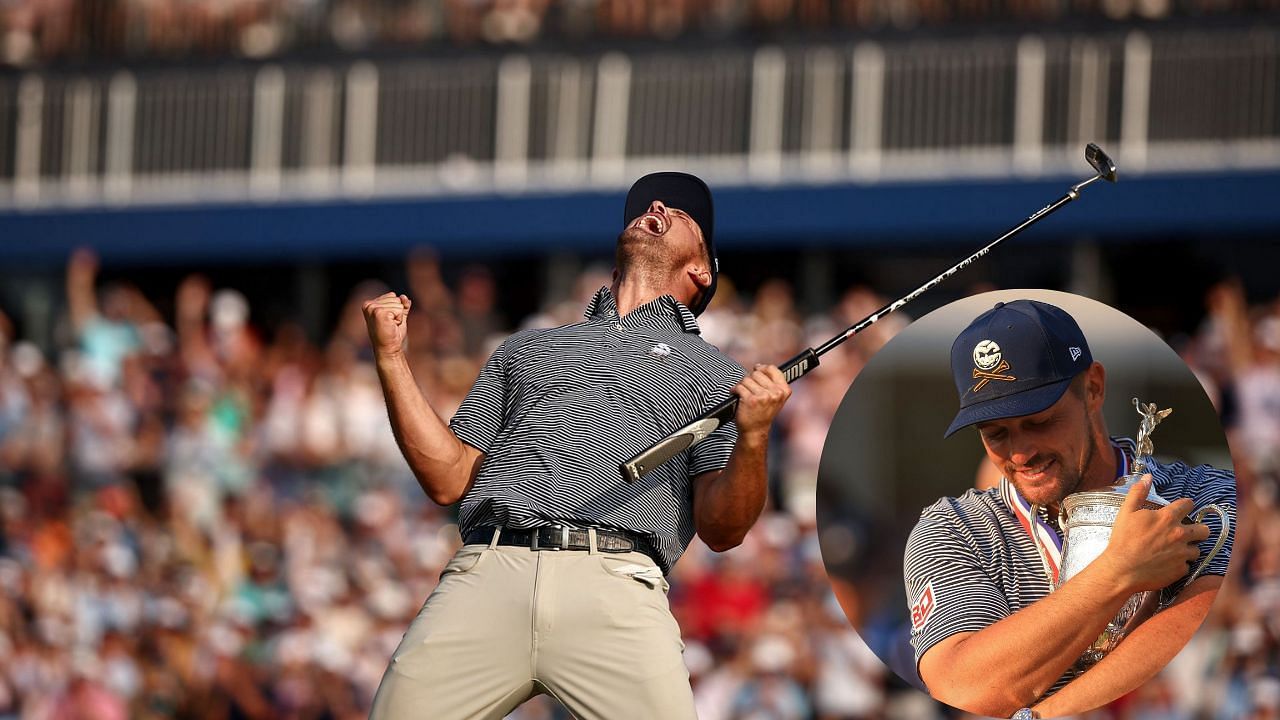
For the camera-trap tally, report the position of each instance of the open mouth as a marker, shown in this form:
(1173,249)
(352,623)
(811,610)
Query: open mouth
(653,223)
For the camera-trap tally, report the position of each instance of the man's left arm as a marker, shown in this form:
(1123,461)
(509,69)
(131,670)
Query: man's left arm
(726,503)
(1142,654)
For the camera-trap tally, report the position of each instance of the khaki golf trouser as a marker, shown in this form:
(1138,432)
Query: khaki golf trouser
(591,629)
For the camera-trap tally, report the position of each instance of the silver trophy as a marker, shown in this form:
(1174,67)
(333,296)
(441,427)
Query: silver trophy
(1086,519)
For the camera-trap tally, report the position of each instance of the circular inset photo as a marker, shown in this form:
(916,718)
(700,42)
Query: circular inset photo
(1026,504)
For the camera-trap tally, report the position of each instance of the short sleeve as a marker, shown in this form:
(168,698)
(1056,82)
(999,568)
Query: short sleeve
(484,410)
(948,589)
(713,453)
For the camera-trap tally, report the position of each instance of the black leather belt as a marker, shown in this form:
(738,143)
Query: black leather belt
(561,537)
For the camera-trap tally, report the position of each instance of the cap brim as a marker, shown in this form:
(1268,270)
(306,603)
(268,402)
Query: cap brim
(1027,402)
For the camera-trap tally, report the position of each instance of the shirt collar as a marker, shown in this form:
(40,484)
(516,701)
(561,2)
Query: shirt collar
(658,311)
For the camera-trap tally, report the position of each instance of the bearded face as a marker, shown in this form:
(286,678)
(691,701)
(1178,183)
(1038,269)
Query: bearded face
(637,249)
(659,245)
(1050,454)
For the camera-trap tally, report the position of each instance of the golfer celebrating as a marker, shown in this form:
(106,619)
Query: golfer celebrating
(560,585)
(989,635)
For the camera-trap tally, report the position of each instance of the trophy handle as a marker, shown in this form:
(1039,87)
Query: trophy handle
(1217,546)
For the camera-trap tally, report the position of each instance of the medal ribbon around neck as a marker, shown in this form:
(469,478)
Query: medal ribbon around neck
(1047,541)
(1045,538)
(1122,467)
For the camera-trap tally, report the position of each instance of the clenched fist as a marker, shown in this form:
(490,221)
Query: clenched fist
(387,318)
(761,395)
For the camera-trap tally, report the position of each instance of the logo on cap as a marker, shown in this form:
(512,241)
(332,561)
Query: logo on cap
(990,365)
(1026,372)
(986,354)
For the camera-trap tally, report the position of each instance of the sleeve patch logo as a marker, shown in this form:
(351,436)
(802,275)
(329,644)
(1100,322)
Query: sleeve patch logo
(923,607)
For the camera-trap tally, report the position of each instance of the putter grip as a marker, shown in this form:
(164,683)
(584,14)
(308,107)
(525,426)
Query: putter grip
(798,366)
(697,431)
(680,440)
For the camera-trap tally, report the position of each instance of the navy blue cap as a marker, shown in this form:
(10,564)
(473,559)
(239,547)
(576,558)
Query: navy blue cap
(1016,359)
(685,192)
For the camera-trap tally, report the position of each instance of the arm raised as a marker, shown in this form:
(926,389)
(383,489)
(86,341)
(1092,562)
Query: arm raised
(444,465)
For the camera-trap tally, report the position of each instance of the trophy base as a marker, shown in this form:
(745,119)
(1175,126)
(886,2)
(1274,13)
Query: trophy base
(1136,610)
(1086,661)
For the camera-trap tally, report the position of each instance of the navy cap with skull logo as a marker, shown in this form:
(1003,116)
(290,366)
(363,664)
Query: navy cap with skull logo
(1015,359)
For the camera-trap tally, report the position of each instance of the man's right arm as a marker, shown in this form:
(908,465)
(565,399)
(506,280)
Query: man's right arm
(444,465)
(1011,663)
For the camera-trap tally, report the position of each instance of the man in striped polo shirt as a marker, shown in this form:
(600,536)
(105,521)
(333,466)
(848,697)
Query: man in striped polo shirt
(990,634)
(560,586)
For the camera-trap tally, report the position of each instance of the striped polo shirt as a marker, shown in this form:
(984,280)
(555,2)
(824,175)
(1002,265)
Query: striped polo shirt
(556,412)
(969,562)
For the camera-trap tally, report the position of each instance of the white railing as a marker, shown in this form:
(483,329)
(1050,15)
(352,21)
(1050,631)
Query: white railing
(863,111)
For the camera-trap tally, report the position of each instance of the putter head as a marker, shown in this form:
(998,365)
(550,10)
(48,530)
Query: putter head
(1100,162)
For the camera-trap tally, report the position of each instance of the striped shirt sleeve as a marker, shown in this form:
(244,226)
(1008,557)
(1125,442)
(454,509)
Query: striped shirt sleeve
(1220,490)
(483,411)
(721,375)
(948,590)
(713,452)
(1207,485)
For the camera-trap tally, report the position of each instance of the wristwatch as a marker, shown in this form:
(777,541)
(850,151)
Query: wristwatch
(1025,714)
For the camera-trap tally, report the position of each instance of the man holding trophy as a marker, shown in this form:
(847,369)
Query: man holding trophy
(1008,620)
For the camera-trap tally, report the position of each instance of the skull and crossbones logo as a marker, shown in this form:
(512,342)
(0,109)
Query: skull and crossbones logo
(989,364)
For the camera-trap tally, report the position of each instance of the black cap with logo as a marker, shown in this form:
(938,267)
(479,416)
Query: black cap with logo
(685,192)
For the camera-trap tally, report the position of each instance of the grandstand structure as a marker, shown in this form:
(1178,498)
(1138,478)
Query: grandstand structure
(916,112)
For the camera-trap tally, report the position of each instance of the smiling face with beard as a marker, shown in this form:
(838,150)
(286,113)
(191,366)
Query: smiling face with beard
(1055,452)
(657,250)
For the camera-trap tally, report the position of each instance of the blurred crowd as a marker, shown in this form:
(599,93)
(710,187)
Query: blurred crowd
(201,517)
(37,31)
(1236,354)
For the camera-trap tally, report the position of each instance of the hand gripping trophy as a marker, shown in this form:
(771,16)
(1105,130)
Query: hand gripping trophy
(1086,519)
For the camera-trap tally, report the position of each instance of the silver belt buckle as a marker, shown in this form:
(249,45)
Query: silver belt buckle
(564,537)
